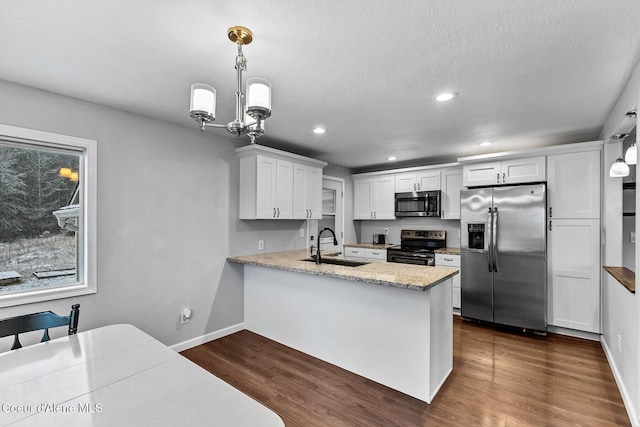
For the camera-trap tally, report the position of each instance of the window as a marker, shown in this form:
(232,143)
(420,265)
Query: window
(47,216)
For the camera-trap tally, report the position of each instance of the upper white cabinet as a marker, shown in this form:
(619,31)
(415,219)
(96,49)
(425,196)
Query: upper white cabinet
(275,184)
(505,172)
(307,192)
(450,197)
(427,180)
(574,185)
(374,197)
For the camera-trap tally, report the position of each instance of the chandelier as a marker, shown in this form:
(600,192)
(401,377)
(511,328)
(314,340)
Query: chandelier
(250,114)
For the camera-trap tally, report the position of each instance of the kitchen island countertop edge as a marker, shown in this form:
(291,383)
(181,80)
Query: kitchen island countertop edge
(407,276)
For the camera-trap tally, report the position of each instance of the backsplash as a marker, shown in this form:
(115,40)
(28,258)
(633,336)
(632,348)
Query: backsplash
(369,228)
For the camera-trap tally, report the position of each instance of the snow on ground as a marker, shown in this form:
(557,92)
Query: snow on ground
(26,256)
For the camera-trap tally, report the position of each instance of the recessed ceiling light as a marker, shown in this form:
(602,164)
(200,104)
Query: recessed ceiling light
(392,158)
(446,96)
(319,130)
(485,143)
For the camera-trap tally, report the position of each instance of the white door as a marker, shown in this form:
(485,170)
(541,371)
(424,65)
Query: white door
(428,180)
(481,174)
(313,194)
(574,273)
(265,187)
(451,186)
(574,185)
(362,199)
(284,189)
(384,199)
(523,170)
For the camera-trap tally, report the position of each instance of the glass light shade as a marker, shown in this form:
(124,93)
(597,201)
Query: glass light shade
(203,100)
(619,169)
(631,156)
(259,97)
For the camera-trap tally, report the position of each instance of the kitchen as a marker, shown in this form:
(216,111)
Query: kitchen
(164,162)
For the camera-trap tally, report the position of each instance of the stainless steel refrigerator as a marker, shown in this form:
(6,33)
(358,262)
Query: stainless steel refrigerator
(503,248)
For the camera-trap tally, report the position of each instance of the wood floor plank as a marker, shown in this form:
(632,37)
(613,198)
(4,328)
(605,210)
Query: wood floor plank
(500,378)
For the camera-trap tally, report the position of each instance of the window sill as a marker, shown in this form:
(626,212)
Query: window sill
(623,275)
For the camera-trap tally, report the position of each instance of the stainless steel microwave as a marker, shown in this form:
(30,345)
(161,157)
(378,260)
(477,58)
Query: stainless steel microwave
(418,203)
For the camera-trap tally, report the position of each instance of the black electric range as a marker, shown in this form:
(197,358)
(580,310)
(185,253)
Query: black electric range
(417,247)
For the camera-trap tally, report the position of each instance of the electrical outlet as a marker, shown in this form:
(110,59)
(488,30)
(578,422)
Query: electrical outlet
(386,231)
(260,244)
(632,237)
(302,232)
(619,344)
(185,316)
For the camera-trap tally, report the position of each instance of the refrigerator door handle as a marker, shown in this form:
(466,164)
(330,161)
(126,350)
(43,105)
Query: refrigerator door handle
(494,230)
(490,249)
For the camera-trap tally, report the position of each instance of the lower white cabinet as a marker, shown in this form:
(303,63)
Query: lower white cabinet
(365,254)
(453,261)
(574,273)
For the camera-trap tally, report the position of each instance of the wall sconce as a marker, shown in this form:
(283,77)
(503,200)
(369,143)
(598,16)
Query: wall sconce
(619,168)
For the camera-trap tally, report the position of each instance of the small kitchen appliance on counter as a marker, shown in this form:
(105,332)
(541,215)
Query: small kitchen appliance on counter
(378,239)
(417,247)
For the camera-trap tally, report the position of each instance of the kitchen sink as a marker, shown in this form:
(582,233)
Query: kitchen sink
(335,261)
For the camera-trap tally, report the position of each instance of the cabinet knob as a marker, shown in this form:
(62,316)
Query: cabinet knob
(550,225)
(550,212)
(498,178)
(278,213)
(274,212)
(504,177)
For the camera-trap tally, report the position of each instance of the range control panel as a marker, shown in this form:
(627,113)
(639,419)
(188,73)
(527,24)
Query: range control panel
(424,234)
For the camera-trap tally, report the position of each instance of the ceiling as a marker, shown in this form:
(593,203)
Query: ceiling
(528,73)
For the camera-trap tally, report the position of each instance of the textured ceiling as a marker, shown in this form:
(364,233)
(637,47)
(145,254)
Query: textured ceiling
(529,73)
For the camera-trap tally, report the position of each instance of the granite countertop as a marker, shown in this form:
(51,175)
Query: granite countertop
(407,276)
(368,245)
(448,251)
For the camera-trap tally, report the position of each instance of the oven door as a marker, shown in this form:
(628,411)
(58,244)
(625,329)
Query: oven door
(406,258)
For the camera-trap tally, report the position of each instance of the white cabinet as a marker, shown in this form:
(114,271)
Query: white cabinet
(515,171)
(274,184)
(574,273)
(453,261)
(307,192)
(427,180)
(450,196)
(573,233)
(374,198)
(574,185)
(365,254)
(274,188)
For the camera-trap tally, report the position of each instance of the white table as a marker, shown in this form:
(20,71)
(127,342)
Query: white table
(117,376)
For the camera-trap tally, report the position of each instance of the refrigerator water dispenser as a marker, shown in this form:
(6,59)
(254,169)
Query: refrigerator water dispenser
(476,236)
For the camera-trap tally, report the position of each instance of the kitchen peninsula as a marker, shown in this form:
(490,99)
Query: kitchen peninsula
(391,323)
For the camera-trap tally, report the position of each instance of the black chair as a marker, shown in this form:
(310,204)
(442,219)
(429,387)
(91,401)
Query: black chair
(38,321)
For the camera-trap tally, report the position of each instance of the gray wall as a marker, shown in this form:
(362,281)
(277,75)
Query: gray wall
(369,228)
(620,308)
(167,218)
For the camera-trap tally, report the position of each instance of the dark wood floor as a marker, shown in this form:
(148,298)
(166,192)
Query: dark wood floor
(499,378)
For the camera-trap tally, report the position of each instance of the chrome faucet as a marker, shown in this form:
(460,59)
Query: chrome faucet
(335,242)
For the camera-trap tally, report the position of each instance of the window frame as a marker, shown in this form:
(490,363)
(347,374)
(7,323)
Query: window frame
(87,242)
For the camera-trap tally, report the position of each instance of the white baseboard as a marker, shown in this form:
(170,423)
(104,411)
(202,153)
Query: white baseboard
(626,399)
(185,345)
(573,333)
